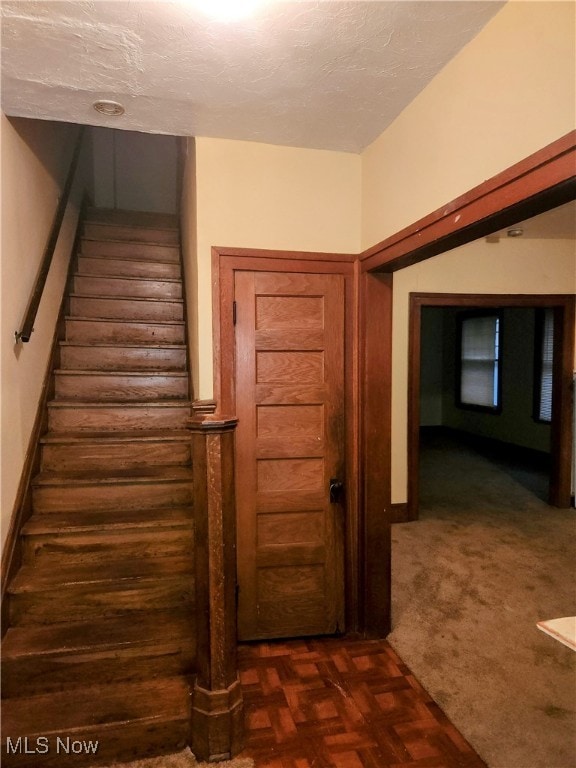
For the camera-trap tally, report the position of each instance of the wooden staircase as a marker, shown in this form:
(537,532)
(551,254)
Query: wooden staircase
(101,643)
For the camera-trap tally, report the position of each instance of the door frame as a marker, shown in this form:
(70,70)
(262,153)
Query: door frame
(561,425)
(227,261)
(536,184)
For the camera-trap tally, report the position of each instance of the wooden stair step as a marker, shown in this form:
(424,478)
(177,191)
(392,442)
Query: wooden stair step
(128,720)
(120,385)
(133,233)
(111,267)
(89,329)
(100,536)
(144,489)
(41,594)
(48,657)
(132,218)
(141,287)
(122,249)
(100,520)
(69,452)
(127,356)
(76,415)
(44,578)
(126,308)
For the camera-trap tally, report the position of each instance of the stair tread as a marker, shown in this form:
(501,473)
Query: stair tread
(108,520)
(122,344)
(118,372)
(122,257)
(105,705)
(99,297)
(40,577)
(118,476)
(152,323)
(133,278)
(106,633)
(140,436)
(110,241)
(173,403)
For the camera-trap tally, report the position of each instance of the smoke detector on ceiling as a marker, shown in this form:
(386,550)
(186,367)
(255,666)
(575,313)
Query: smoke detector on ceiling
(110,108)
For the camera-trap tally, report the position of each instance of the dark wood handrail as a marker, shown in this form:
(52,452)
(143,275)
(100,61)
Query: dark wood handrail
(34,303)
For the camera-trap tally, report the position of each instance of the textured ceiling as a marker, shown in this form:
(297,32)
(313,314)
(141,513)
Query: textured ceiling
(327,74)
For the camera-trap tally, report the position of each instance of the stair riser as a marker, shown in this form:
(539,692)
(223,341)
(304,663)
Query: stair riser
(128,309)
(118,387)
(118,286)
(128,268)
(122,358)
(86,331)
(101,548)
(70,418)
(97,456)
(132,234)
(146,495)
(88,602)
(43,674)
(141,251)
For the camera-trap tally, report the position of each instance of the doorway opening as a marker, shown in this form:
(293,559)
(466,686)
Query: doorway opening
(435,392)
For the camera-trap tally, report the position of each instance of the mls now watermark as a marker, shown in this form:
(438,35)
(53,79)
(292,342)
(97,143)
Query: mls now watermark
(43,745)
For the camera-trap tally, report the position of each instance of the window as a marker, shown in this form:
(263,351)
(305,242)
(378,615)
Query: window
(543,365)
(478,355)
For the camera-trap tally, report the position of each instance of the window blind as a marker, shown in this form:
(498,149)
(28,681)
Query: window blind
(480,353)
(546,352)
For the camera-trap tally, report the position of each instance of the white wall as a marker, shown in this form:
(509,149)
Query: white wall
(35,156)
(135,171)
(262,196)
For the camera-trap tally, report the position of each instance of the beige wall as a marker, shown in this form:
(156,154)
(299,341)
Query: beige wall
(508,93)
(35,157)
(507,267)
(262,196)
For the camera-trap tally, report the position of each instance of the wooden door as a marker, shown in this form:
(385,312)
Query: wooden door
(289,446)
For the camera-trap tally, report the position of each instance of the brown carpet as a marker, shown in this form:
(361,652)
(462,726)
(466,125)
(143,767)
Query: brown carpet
(184,759)
(485,562)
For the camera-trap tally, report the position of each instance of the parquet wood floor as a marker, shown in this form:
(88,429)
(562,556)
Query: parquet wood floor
(334,703)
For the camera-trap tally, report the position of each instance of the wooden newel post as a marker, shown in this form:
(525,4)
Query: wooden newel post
(217,711)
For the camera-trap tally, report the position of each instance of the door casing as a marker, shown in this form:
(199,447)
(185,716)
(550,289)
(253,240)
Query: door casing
(225,262)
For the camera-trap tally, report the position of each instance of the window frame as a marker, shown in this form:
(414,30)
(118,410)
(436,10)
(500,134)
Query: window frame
(539,328)
(461,318)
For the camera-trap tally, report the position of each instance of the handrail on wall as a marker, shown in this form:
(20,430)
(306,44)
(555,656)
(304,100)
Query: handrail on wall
(34,303)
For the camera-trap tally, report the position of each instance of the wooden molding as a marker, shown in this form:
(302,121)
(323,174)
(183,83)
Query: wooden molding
(217,710)
(225,261)
(376,453)
(561,437)
(399,513)
(541,181)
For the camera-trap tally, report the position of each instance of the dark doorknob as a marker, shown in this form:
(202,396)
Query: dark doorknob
(336,491)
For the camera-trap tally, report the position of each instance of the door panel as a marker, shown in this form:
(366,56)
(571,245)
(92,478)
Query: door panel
(289,444)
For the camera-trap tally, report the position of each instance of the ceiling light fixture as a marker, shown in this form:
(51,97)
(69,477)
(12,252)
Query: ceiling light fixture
(227,10)
(110,108)
(518,232)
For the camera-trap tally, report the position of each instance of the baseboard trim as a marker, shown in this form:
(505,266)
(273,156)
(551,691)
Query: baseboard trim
(399,513)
